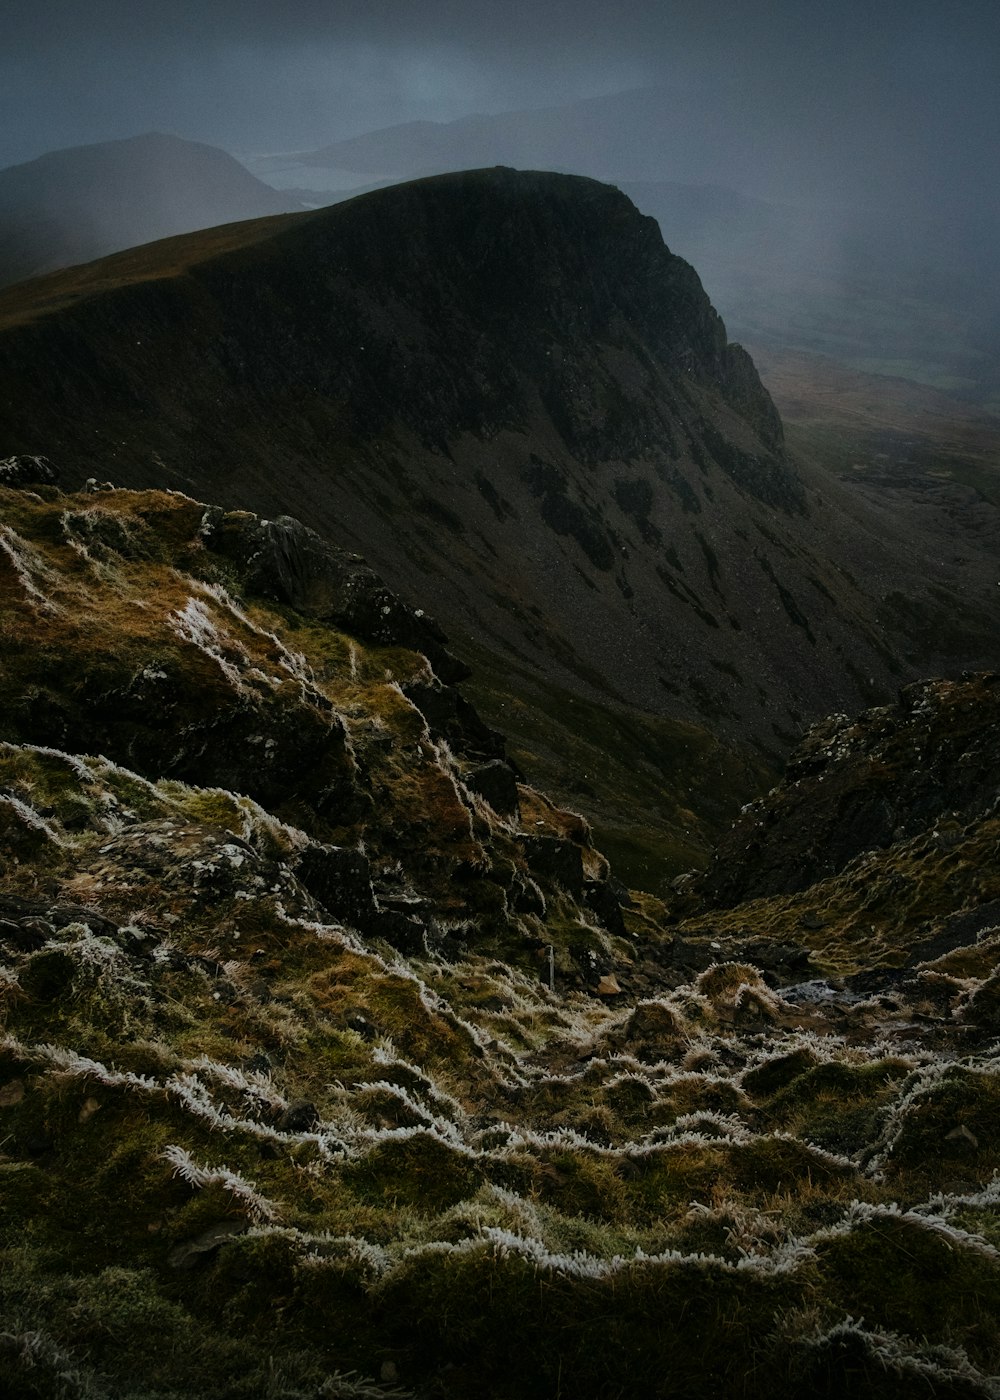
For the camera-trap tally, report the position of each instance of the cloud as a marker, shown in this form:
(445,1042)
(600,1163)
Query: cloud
(254,74)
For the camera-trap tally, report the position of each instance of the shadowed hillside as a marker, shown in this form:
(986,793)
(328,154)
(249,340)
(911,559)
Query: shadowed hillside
(508,394)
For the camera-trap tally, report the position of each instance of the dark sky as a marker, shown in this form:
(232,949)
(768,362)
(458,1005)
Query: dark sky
(257,75)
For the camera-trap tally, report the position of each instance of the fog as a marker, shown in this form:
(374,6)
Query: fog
(790,149)
(308,72)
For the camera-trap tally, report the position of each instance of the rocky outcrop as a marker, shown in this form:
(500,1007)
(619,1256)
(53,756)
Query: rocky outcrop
(27,471)
(248,657)
(926,764)
(285,561)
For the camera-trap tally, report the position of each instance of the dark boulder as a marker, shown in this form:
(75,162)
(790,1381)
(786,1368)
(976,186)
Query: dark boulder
(601,898)
(406,934)
(301,1116)
(556,860)
(496,782)
(284,560)
(450,716)
(27,471)
(340,879)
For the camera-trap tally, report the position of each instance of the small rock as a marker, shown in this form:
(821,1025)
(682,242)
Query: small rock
(608,986)
(389,1372)
(186,1254)
(11,1093)
(554,859)
(962,1134)
(300,1117)
(496,782)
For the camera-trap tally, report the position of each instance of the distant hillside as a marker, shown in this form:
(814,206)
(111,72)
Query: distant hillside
(71,206)
(645,133)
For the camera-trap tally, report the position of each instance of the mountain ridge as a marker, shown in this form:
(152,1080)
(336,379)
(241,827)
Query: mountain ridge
(504,391)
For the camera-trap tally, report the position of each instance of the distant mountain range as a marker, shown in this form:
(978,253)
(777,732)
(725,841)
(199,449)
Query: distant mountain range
(75,205)
(881,276)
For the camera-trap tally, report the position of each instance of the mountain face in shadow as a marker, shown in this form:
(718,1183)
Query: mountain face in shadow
(505,392)
(75,205)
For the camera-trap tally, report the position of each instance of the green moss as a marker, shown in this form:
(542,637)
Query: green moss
(662,1183)
(510,1329)
(947,1128)
(776,1073)
(770,1166)
(418,1170)
(910,1278)
(837,1105)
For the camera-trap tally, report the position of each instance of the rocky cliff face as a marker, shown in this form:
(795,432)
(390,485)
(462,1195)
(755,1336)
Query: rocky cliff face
(334,1062)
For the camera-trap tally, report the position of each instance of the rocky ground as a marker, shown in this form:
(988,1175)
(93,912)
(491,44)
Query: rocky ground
(335,1061)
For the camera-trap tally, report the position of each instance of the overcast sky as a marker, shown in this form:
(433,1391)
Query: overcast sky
(257,75)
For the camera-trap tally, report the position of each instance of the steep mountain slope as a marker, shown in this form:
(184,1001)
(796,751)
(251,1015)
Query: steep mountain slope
(294,1102)
(521,407)
(75,205)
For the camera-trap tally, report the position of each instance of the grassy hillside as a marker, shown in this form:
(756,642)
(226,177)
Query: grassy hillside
(294,1102)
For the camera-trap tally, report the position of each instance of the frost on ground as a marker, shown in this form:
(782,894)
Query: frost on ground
(288,1106)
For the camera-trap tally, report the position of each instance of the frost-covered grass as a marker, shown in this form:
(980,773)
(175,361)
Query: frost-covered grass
(249,1148)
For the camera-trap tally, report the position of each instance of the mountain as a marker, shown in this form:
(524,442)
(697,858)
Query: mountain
(804,239)
(75,205)
(504,391)
(594,136)
(335,1063)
